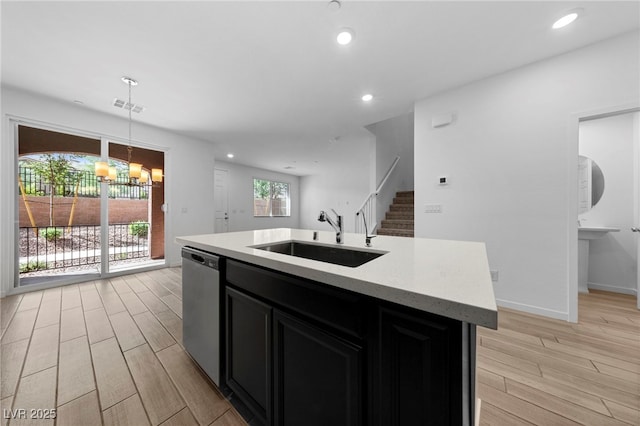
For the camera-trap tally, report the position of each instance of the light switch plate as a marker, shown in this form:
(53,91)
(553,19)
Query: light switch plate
(433,208)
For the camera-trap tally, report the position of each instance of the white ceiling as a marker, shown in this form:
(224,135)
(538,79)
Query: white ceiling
(266,80)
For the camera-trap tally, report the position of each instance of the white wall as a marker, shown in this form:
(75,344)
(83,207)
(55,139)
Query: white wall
(188,163)
(509,156)
(610,142)
(240,189)
(394,138)
(342,185)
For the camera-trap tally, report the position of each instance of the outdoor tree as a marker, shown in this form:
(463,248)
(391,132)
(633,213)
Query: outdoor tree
(268,191)
(57,171)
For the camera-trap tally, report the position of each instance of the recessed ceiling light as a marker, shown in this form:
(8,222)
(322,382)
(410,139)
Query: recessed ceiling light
(230,155)
(565,20)
(345,36)
(368,97)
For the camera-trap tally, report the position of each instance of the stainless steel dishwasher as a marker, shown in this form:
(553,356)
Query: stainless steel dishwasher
(201,309)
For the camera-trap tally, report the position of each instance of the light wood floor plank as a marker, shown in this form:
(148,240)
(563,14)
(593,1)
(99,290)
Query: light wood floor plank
(183,418)
(133,303)
(48,314)
(586,351)
(155,287)
(20,327)
(43,350)
(512,361)
(75,371)
(70,297)
(204,402)
(620,373)
(30,301)
(8,306)
(126,331)
(494,416)
(120,285)
(174,303)
(135,284)
(600,389)
(37,392)
(112,374)
(230,418)
(154,304)
(158,394)
(98,325)
(12,356)
(5,404)
(521,408)
(172,323)
(126,413)
(157,337)
(559,406)
(81,411)
(90,299)
(624,413)
(491,379)
(112,303)
(72,324)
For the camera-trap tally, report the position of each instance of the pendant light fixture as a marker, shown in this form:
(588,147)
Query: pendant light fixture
(137,175)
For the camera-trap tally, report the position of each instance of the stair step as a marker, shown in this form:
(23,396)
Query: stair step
(401,208)
(405,194)
(405,215)
(396,232)
(403,200)
(397,224)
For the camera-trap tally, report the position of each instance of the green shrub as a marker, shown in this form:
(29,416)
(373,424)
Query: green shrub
(139,228)
(32,266)
(51,234)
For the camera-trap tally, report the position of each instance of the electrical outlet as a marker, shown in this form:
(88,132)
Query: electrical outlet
(494,275)
(433,208)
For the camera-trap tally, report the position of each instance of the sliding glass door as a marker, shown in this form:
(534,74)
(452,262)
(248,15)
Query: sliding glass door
(73,227)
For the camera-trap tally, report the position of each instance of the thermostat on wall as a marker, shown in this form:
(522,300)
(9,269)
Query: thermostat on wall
(443,180)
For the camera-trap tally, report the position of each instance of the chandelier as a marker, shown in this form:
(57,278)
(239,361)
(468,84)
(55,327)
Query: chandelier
(137,175)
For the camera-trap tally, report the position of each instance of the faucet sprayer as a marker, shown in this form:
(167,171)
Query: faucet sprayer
(337,225)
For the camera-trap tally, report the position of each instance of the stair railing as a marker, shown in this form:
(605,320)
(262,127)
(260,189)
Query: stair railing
(368,207)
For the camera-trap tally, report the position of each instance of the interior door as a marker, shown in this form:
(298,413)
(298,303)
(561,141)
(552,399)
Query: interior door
(221,200)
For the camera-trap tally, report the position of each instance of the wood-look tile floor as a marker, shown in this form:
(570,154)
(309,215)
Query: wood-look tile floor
(535,370)
(109,352)
(104,352)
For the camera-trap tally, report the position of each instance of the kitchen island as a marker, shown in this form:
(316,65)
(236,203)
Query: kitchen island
(389,342)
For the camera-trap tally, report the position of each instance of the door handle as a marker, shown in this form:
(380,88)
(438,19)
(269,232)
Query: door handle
(635,229)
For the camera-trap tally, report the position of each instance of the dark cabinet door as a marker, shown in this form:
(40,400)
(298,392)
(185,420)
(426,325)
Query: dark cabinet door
(317,376)
(418,370)
(249,351)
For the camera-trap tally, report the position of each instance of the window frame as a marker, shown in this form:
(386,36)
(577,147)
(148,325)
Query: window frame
(270,212)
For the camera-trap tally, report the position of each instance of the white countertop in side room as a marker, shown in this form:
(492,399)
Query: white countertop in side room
(448,278)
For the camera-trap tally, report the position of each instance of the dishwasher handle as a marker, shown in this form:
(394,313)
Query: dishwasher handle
(201,257)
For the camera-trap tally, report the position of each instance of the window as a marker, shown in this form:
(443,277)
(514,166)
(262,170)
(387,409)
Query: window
(270,198)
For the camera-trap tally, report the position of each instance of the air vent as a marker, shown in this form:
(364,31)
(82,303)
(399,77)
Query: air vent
(119,103)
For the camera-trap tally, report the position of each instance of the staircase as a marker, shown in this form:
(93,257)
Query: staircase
(399,218)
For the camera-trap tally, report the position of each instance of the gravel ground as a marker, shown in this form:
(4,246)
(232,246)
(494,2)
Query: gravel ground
(77,239)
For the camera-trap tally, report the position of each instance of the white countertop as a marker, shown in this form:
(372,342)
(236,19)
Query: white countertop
(448,278)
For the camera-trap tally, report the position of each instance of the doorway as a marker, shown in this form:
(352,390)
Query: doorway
(609,202)
(221,200)
(71,227)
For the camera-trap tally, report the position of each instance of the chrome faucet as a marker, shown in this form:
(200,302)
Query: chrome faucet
(337,225)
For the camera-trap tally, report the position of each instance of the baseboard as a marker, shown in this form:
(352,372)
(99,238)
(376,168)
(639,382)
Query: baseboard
(533,309)
(612,288)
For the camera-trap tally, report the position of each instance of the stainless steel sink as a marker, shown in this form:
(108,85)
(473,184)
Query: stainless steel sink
(331,254)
